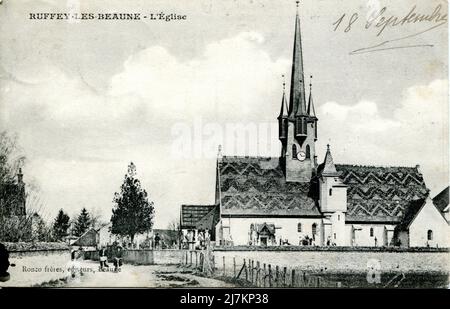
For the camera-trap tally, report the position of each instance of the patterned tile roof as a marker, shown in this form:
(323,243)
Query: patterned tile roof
(380,194)
(192,214)
(256,186)
(410,214)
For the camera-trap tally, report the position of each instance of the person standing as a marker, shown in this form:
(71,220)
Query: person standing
(103,258)
(4,263)
(157,239)
(118,254)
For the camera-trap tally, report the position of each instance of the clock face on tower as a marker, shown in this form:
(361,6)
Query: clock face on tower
(301,156)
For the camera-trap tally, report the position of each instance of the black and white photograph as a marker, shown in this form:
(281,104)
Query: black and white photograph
(224,144)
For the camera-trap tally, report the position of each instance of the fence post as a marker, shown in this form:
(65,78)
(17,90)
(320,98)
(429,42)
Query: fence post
(213,266)
(196,262)
(190,258)
(253,274)
(186,257)
(270,276)
(293,278)
(277,277)
(234,267)
(264,274)
(246,271)
(284,276)
(223,258)
(257,274)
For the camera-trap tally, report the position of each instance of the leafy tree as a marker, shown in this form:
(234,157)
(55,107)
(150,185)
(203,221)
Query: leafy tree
(11,157)
(133,212)
(83,223)
(61,225)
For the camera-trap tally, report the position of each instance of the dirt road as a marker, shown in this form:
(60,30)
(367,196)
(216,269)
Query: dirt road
(162,276)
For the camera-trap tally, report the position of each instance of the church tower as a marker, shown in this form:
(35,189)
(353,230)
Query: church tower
(298,125)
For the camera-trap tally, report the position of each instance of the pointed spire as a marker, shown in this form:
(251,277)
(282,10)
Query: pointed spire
(328,164)
(20,176)
(311,109)
(219,152)
(284,107)
(297,102)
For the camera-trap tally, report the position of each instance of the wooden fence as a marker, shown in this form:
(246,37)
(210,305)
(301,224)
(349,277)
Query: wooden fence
(254,273)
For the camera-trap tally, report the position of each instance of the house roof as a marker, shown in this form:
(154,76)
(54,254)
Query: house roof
(210,220)
(88,239)
(166,234)
(410,214)
(380,194)
(269,227)
(441,200)
(256,186)
(192,214)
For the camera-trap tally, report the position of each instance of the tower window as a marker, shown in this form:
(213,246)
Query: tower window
(330,192)
(339,217)
(299,227)
(294,151)
(430,235)
(334,235)
(314,229)
(371,232)
(308,152)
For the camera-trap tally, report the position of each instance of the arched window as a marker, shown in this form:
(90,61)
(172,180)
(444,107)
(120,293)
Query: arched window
(299,227)
(371,232)
(314,229)
(430,235)
(339,217)
(308,152)
(330,192)
(294,151)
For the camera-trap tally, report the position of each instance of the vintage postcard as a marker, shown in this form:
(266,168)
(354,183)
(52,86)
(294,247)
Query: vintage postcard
(206,143)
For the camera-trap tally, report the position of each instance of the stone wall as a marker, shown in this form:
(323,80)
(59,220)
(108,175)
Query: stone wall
(36,264)
(342,260)
(145,257)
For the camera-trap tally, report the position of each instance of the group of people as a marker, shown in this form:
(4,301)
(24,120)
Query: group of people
(190,241)
(115,252)
(307,241)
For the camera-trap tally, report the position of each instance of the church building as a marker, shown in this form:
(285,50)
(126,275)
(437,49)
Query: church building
(294,200)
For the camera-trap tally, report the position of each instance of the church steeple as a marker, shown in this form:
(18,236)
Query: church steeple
(283,117)
(297,130)
(297,102)
(328,164)
(284,107)
(311,109)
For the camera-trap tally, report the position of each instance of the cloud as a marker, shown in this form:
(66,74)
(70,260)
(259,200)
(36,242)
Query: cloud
(227,81)
(415,133)
(79,139)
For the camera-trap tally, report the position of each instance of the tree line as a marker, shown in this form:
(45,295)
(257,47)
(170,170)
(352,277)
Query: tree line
(132,213)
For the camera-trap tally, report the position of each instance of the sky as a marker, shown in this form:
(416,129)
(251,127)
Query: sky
(86,98)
